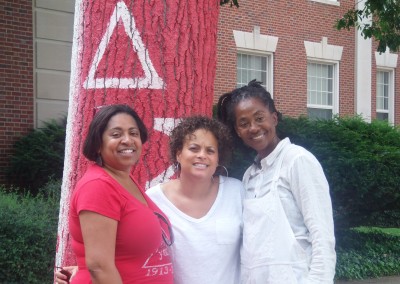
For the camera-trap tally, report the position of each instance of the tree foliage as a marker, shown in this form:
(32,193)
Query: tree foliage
(231,2)
(384,25)
(38,156)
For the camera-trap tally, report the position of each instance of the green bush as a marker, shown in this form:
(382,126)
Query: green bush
(38,157)
(367,255)
(361,162)
(384,219)
(242,158)
(28,233)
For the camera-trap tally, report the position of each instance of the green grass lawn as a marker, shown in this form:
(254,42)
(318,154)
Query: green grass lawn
(390,231)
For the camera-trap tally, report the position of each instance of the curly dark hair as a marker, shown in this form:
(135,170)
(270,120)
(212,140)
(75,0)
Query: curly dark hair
(227,103)
(190,124)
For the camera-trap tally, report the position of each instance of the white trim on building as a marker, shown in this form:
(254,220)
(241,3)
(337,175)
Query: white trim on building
(257,44)
(326,55)
(363,72)
(386,62)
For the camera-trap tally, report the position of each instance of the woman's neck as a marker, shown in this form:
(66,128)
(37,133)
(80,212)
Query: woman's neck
(270,148)
(117,174)
(196,188)
(192,197)
(124,179)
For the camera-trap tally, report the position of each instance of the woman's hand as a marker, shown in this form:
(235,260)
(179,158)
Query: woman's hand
(65,274)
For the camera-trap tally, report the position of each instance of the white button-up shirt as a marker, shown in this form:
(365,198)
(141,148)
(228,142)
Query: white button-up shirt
(304,193)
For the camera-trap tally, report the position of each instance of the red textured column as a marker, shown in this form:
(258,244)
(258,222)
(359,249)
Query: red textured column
(159,57)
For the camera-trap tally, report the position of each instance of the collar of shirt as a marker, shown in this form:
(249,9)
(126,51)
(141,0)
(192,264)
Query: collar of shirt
(270,159)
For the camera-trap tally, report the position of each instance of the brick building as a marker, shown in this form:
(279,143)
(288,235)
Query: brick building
(291,46)
(308,66)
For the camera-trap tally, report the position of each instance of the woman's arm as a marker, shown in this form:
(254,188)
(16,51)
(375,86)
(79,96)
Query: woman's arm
(99,237)
(311,192)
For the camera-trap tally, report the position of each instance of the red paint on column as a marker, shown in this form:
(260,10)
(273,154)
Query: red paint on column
(157,57)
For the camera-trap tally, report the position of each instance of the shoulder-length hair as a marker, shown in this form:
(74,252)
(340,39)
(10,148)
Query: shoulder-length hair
(99,123)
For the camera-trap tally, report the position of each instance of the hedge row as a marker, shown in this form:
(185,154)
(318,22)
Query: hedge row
(28,232)
(360,160)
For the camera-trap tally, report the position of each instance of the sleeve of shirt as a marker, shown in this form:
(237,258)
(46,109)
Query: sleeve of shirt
(101,197)
(311,192)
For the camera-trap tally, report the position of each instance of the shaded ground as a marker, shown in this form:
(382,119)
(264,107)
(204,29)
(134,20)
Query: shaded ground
(382,280)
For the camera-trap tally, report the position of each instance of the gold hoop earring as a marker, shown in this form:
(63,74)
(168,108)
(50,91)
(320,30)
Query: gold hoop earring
(226,170)
(177,168)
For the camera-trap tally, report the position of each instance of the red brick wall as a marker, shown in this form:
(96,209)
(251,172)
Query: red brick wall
(16,75)
(293,22)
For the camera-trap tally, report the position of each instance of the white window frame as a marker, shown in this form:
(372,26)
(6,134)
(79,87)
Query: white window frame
(329,2)
(387,61)
(269,70)
(324,53)
(256,44)
(335,87)
(390,110)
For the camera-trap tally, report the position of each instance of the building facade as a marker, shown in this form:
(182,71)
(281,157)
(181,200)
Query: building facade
(309,67)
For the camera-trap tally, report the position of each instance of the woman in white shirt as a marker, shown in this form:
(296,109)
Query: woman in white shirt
(288,234)
(204,207)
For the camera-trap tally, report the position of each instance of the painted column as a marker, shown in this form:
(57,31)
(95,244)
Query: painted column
(159,57)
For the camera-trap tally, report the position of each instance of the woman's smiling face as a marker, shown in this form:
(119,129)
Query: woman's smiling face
(121,144)
(256,125)
(199,154)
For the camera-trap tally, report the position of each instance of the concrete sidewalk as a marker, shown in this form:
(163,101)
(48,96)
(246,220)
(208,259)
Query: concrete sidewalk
(381,280)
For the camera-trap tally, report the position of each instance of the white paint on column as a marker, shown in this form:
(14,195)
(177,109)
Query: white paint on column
(164,125)
(151,79)
(66,191)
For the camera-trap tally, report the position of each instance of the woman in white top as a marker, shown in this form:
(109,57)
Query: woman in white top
(204,208)
(288,234)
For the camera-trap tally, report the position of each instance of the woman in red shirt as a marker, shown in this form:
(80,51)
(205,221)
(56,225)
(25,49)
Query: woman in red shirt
(118,234)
